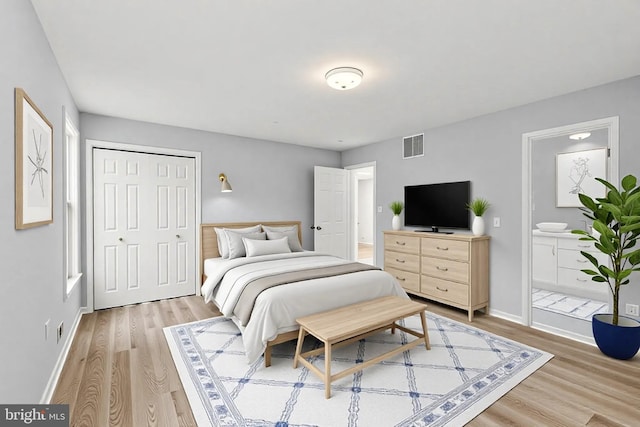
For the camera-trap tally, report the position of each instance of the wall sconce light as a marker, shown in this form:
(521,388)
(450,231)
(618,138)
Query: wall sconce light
(226,188)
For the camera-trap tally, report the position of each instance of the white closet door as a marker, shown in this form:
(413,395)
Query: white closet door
(144,227)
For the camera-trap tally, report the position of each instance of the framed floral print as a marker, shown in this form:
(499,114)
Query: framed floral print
(576,173)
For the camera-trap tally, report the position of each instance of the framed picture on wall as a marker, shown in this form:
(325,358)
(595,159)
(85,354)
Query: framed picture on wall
(576,173)
(34,162)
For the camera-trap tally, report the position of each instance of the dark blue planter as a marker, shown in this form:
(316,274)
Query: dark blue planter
(620,341)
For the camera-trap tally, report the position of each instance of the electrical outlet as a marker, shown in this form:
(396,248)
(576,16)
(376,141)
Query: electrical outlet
(496,221)
(632,310)
(60,330)
(379,209)
(46,329)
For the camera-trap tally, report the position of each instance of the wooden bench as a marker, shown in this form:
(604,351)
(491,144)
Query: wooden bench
(345,325)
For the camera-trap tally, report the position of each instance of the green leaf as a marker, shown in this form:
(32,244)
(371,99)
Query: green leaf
(606,271)
(590,257)
(624,274)
(588,202)
(628,182)
(599,279)
(607,184)
(614,209)
(590,272)
(629,228)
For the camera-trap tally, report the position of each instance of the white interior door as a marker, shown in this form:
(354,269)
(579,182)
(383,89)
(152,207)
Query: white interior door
(330,211)
(144,227)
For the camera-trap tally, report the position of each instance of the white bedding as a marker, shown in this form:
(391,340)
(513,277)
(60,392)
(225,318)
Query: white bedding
(277,308)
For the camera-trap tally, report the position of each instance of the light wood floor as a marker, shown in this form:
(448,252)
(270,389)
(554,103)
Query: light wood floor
(119,372)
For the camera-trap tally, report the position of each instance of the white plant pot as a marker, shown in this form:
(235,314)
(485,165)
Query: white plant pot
(477,227)
(395,222)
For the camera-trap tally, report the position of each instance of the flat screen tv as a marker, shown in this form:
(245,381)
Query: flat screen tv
(442,205)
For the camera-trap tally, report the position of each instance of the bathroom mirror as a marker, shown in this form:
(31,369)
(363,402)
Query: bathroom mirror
(558,164)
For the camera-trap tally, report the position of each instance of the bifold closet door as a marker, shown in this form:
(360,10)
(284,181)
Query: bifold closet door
(144,227)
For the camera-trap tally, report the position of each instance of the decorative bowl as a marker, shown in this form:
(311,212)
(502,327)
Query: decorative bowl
(552,227)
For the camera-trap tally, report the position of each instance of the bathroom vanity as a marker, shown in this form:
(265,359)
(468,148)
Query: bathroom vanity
(557,264)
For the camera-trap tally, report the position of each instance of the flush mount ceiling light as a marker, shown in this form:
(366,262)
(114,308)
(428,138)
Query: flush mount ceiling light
(343,78)
(580,136)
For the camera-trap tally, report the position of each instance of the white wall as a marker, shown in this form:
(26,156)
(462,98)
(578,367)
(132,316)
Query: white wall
(488,151)
(32,261)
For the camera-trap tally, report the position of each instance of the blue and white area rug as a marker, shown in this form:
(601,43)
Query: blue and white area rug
(465,371)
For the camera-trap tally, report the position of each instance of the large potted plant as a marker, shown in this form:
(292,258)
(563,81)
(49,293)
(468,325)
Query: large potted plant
(616,227)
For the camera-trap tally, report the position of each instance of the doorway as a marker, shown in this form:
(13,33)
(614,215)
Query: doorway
(557,296)
(362,203)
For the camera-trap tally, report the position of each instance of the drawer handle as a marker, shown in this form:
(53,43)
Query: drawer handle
(440,289)
(581,261)
(442,249)
(584,246)
(401,278)
(442,268)
(401,261)
(581,280)
(401,243)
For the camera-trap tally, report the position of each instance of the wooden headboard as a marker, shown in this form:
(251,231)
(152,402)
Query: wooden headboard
(209,238)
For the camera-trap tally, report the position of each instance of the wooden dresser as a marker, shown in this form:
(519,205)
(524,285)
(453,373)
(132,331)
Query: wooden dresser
(449,268)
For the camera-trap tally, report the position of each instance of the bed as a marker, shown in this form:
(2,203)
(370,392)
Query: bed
(263,290)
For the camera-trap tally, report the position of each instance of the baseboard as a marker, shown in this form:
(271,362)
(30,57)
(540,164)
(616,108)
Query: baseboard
(506,316)
(563,333)
(57,369)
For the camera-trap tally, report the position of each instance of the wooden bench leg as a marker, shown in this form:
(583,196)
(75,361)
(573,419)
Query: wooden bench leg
(301,335)
(327,370)
(425,331)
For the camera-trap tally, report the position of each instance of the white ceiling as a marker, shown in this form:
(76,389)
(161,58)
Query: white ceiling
(256,68)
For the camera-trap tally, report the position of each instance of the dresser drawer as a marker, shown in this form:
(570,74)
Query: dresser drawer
(574,259)
(402,261)
(407,280)
(394,242)
(441,248)
(578,280)
(576,245)
(446,269)
(443,289)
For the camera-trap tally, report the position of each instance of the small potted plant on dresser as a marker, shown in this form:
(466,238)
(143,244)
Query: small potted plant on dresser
(616,228)
(478,207)
(396,207)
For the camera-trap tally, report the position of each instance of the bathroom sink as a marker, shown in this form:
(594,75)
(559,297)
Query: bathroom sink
(552,227)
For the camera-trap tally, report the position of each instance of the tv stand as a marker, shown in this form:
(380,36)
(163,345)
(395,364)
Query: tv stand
(434,230)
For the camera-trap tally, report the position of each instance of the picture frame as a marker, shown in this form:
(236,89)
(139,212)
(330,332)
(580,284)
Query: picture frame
(33,164)
(576,172)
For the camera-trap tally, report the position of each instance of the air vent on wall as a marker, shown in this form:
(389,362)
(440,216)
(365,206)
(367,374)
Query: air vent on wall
(413,146)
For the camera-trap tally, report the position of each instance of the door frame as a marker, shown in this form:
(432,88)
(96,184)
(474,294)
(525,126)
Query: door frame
(352,226)
(90,144)
(609,123)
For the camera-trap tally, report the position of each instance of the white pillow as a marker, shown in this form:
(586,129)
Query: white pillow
(266,247)
(280,228)
(291,235)
(236,245)
(223,245)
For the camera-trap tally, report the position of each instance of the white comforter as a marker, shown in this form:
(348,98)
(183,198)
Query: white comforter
(277,308)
